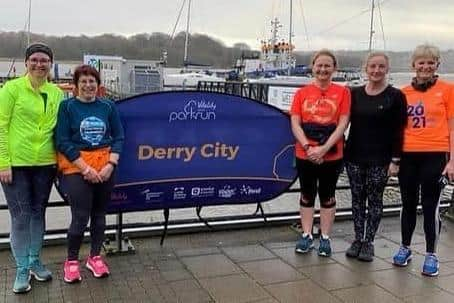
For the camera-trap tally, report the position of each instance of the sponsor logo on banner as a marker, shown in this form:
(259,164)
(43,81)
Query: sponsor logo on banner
(248,190)
(118,196)
(202,192)
(227,192)
(150,195)
(195,110)
(179,193)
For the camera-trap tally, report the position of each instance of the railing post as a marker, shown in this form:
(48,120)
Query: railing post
(450,212)
(123,244)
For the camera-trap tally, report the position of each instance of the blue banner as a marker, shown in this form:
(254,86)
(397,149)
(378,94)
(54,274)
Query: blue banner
(186,149)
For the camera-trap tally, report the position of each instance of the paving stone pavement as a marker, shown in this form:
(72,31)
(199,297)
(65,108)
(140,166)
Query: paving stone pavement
(251,265)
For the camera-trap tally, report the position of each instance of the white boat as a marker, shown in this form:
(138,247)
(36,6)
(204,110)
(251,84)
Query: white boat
(189,79)
(284,80)
(348,77)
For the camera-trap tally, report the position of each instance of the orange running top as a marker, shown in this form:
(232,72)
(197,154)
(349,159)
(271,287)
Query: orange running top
(325,107)
(428,113)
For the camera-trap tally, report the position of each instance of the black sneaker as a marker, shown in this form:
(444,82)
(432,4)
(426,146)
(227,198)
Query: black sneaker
(353,250)
(366,253)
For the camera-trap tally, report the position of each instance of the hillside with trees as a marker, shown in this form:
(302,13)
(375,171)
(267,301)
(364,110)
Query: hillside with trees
(202,50)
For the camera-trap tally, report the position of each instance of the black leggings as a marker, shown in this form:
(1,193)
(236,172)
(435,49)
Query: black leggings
(318,177)
(87,201)
(367,182)
(420,173)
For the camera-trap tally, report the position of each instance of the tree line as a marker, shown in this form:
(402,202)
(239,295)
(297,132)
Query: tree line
(202,49)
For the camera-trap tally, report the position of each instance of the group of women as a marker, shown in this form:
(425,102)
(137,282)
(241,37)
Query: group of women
(407,133)
(39,130)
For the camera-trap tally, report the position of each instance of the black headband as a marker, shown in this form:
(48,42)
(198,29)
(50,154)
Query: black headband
(39,48)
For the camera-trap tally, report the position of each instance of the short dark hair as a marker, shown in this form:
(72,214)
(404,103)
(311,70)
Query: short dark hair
(86,70)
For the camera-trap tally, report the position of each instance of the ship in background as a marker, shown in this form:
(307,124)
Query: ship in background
(275,58)
(276,63)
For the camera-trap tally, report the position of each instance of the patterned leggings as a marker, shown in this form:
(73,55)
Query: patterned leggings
(367,182)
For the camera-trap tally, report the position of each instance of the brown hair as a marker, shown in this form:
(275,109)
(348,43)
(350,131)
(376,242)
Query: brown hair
(86,70)
(324,52)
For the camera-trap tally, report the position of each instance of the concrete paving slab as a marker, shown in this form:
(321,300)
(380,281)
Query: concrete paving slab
(300,291)
(438,297)
(403,284)
(370,293)
(299,260)
(210,266)
(360,266)
(446,283)
(190,291)
(271,271)
(248,253)
(385,249)
(234,288)
(335,276)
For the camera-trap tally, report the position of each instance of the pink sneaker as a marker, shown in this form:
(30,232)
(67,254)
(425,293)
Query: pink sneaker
(97,266)
(71,271)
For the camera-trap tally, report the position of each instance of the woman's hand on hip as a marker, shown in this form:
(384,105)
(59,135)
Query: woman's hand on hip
(449,170)
(6,176)
(106,172)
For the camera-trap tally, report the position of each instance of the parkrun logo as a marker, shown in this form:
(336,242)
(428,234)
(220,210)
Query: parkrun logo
(195,110)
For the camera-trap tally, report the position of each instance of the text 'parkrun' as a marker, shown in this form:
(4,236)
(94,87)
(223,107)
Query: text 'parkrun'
(186,153)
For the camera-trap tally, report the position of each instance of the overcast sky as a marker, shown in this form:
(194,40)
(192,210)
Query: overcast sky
(335,24)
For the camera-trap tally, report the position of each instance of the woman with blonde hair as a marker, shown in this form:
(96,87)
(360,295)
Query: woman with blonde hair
(372,153)
(427,153)
(319,116)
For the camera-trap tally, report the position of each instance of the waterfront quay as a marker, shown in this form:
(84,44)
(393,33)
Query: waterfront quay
(248,265)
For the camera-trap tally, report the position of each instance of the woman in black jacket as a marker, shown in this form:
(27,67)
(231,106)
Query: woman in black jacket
(378,117)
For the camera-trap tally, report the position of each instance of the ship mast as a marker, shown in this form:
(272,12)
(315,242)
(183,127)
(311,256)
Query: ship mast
(186,41)
(275,25)
(28,22)
(371,31)
(290,34)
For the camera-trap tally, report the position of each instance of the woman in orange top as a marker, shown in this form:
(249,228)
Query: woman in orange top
(319,116)
(427,157)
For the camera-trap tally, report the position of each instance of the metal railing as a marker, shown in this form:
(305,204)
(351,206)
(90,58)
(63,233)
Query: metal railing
(121,232)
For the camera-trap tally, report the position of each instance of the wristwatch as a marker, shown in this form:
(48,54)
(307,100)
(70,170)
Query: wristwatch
(306,147)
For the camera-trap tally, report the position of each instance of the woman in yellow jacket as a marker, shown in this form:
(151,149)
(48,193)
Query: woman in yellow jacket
(28,114)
